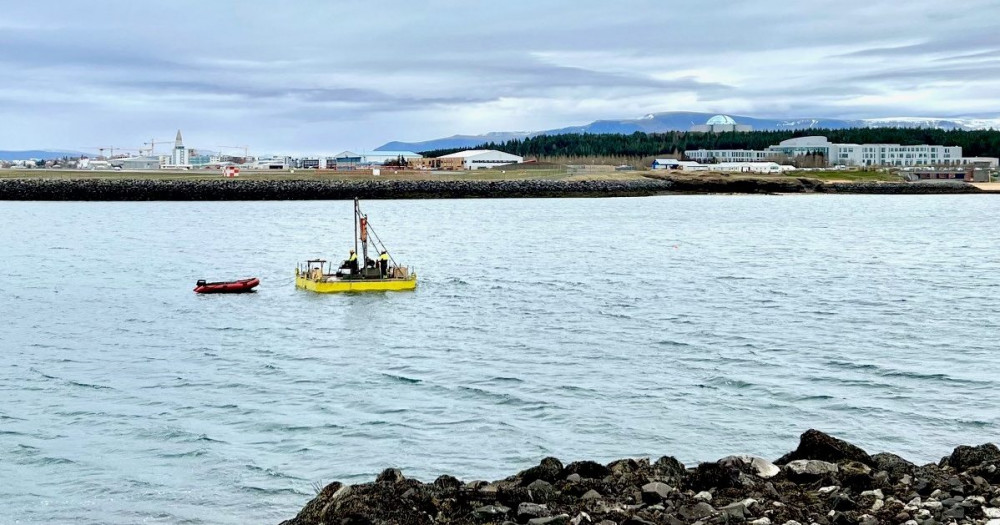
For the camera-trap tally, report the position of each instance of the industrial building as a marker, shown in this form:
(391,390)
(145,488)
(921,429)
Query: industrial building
(720,124)
(450,164)
(841,154)
(475,159)
(348,160)
(136,163)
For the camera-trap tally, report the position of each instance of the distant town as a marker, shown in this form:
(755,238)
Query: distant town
(914,161)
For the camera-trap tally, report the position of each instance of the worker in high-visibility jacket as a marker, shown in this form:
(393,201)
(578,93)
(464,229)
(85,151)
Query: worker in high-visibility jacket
(352,262)
(383,263)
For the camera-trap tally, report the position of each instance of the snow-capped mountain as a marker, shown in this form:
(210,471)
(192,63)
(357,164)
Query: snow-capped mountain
(683,120)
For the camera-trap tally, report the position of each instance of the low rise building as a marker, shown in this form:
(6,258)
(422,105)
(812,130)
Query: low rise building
(450,164)
(730,155)
(475,159)
(834,154)
(674,164)
(349,160)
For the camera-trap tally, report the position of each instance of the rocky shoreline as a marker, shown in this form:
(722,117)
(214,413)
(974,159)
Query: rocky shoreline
(825,481)
(213,190)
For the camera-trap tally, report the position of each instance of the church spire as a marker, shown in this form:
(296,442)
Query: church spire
(178,142)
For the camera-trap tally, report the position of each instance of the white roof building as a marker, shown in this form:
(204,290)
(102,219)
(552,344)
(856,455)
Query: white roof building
(475,159)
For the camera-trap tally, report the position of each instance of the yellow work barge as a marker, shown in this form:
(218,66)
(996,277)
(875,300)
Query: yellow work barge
(359,272)
(315,280)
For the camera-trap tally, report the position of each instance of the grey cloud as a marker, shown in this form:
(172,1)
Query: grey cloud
(123,67)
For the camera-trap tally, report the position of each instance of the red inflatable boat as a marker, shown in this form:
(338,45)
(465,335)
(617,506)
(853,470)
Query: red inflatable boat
(241,286)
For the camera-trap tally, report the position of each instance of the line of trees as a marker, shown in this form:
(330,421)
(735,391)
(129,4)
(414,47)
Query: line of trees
(974,143)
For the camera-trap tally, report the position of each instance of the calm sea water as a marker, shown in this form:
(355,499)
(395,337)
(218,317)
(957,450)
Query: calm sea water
(584,329)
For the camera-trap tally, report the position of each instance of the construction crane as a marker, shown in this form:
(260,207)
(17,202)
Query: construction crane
(152,144)
(102,149)
(246,150)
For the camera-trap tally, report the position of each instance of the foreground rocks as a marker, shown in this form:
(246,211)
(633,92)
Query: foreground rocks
(228,189)
(825,481)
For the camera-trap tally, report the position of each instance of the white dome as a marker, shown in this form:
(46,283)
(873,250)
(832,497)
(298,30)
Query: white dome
(721,119)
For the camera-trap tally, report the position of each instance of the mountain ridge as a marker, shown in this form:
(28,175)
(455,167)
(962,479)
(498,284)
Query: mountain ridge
(683,120)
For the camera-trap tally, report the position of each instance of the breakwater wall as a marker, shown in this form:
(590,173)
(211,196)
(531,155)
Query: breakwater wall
(195,190)
(825,481)
(210,190)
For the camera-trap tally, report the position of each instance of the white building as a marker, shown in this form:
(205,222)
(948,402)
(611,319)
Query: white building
(475,159)
(273,162)
(180,155)
(842,154)
(720,124)
(674,164)
(746,167)
(730,155)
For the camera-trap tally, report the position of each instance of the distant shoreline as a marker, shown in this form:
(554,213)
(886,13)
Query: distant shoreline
(19,189)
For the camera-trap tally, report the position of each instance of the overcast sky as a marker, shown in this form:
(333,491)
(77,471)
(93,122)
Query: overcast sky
(321,76)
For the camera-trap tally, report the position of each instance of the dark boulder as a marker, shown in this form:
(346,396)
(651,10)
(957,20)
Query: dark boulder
(965,457)
(312,513)
(447,482)
(586,469)
(814,444)
(714,475)
(390,475)
(894,465)
(548,470)
(669,470)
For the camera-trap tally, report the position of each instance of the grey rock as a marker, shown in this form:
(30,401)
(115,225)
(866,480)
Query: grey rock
(757,465)
(867,519)
(932,505)
(528,510)
(490,511)
(541,485)
(574,478)
(956,513)
(541,491)
(655,492)
(591,494)
(810,469)
(734,511)
(877,493)
(635,520)
(696,511)
(991,512)
(761,521)
(561,519)
(704,495)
